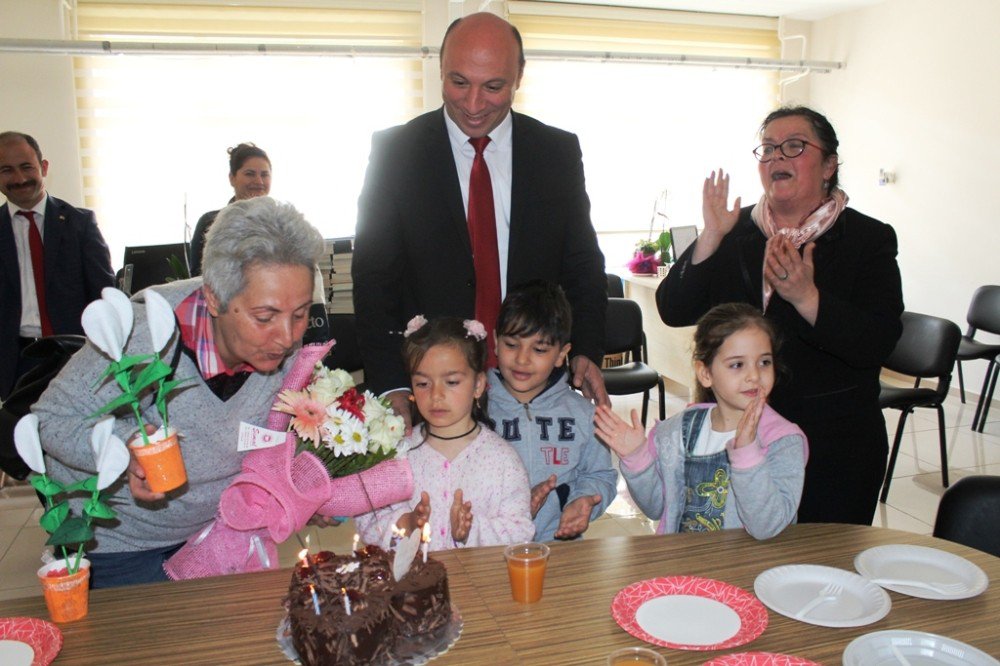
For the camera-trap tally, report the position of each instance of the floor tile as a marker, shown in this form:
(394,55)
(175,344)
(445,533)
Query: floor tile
(605,527)
(893,518)
(15,517)
(637,526)
(23,558)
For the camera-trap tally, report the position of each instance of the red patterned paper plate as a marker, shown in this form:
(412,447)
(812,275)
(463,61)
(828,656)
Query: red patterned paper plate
(689,613)
(43,637)
(759,659)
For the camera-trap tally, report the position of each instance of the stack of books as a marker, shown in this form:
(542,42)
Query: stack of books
(335,264)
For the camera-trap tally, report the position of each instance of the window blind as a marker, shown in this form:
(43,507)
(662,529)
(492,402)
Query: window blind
(154,129)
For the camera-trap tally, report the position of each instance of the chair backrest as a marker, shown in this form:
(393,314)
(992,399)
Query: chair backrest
(623,329)
(616,288)
(969,513)
(927,348)
(984,311)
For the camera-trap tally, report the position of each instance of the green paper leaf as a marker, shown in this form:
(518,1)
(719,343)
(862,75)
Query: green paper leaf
(46,486)
(128,362)
(151,374)
(74,530)
(54,517)
(95,508)
(123,399)
(89,484)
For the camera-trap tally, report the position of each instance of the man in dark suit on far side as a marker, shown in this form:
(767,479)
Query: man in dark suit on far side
(53,259)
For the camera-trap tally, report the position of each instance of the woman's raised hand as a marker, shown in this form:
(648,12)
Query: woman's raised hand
(621,437)
(792,276)
(719,218)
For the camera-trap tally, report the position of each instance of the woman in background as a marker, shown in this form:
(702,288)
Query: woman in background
(826,276)
(250,176)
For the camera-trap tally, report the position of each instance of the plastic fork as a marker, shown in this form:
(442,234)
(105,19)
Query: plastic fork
(940,588)
(829,593)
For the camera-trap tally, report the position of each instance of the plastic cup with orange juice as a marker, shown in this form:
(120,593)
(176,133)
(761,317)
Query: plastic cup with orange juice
(526,563)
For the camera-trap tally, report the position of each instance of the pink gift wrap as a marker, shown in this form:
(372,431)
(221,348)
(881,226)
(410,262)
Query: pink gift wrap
(277,493)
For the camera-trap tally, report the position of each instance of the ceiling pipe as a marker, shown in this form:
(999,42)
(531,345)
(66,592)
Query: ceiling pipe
(93,48)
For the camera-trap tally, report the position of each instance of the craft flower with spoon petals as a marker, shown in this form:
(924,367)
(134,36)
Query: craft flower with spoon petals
(108,324)
(111,458)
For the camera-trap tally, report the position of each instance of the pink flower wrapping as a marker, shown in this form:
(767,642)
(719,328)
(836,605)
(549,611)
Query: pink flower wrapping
(281,488)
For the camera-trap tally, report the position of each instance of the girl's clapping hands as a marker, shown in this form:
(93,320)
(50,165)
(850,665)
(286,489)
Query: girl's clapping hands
(621,437)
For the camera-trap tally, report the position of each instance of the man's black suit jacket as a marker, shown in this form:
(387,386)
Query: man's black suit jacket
(412,251)
(77,267)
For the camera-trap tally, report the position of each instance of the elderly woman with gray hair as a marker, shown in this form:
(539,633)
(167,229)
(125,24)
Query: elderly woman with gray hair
(238,326)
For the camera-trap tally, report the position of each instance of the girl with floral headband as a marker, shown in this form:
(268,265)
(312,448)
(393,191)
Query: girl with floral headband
(469,484)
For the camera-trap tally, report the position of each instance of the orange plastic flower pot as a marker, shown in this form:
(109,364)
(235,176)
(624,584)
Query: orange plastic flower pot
(66,595)
(162,463)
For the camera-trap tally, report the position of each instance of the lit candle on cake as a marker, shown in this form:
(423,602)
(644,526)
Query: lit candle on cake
(304,556)
(354,547)
(347,601)
(425,538)
(312,591)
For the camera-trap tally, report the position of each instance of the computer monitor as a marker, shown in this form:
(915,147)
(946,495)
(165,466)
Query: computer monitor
(147,265)
(681,238)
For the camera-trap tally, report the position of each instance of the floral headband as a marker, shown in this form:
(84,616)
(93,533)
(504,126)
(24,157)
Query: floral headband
(473,328)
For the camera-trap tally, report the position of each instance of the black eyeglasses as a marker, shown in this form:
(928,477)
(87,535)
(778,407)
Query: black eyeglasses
(789,148)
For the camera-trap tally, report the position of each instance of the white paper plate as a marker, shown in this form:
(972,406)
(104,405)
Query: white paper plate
(684,618)
(787,589)
(16,653)
(917,647)
(920,563)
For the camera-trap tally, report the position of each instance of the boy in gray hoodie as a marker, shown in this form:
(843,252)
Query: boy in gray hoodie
(534,408)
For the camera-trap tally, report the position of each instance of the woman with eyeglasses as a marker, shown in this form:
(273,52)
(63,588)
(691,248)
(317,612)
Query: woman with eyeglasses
(827,276)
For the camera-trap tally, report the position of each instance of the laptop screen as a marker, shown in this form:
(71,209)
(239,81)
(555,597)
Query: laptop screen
(682,238)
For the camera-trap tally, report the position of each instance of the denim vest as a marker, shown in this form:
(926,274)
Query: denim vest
(706,479)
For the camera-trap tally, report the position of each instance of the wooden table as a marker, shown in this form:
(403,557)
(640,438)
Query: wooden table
(232,620)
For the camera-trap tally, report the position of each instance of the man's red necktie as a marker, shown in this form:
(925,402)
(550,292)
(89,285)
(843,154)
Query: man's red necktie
(38,268)
(483,234)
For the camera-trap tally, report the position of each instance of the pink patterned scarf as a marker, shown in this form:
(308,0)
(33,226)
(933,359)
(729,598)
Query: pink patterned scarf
(815,225)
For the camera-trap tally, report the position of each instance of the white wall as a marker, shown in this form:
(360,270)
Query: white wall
(38,93)
(919,96)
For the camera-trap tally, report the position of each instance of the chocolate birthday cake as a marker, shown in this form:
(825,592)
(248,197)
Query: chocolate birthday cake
(365,615)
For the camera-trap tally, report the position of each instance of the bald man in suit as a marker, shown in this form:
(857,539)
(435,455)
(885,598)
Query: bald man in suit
(413,252)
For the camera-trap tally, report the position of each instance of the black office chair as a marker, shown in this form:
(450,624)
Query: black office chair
(969,513)
(926,349)
(624,335)
(616,288)
(346,354)
(983,315)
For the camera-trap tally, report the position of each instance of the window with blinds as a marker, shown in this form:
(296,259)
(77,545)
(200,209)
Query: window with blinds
(645,128)
(154,129)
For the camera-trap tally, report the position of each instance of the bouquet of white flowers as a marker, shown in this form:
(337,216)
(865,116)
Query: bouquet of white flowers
(348,430)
